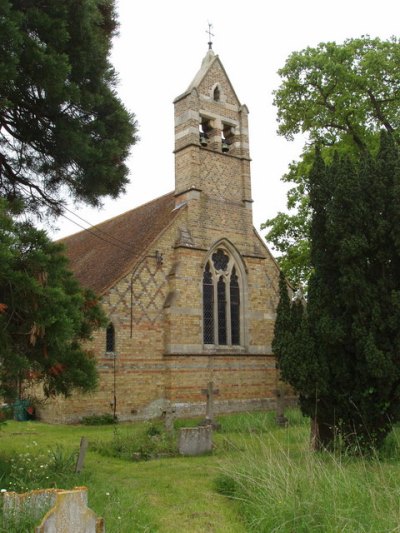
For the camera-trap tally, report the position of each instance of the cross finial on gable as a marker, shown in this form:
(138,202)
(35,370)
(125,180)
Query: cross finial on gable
(209,36)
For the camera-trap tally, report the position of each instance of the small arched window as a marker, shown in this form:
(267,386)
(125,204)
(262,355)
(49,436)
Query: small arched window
(110,338)
(216,94)
(221,300)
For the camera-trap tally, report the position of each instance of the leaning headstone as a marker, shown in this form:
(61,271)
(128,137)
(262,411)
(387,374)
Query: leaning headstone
(195,441)
(67,510)
(82,454)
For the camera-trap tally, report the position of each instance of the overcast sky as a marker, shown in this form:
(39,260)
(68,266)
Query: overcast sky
(159,50)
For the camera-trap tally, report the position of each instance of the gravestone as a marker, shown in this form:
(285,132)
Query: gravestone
(195,441)
(210,392)
(82,454)
(67,510)
(169,416)
(280,419)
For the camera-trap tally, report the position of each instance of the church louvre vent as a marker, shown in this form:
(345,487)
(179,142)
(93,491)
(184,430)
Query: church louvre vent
(205,130)
(227,137)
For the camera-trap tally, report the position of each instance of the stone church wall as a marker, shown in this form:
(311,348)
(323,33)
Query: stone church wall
(157,313)
(157,307)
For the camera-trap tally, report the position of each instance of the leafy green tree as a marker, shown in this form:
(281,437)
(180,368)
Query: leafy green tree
(340,96)
(349,359)
(44,314)
(63,131)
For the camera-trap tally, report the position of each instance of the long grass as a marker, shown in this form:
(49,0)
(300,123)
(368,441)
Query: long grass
(281,486)
(267,479)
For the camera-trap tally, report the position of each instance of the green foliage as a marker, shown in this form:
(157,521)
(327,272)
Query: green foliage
(45,315)
(292,345)
(277,483)
(342,356)
(6,413)
(341,91)
(62,127)
(259,422)
(146,442)
(341,96)
(98,420)
(34,469)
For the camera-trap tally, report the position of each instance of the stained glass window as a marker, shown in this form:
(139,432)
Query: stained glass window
(220,259)
(221,301)
(221,311)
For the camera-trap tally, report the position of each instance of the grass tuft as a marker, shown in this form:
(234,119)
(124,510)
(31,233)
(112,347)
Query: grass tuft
(279,485)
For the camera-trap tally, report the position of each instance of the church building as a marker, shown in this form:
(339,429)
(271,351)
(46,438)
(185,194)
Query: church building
(189,287)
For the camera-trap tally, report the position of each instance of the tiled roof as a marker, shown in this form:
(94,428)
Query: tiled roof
(102,255)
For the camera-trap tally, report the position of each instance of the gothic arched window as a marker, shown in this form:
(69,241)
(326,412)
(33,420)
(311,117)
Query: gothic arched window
(216,94)
(110,338)
(221,300)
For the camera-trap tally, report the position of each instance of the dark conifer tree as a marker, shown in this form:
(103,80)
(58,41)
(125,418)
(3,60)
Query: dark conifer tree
(45,316)
(63,133)
(63,130)
(353,311)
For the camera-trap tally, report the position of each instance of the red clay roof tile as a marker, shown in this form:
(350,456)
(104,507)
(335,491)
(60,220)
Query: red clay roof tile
(101,255)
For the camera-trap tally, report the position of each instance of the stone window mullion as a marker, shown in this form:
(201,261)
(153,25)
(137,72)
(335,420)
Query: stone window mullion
(223,317)
(228,311)
(222,310)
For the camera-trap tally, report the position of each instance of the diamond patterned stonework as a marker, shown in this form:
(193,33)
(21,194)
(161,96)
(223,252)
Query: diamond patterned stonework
(182,315)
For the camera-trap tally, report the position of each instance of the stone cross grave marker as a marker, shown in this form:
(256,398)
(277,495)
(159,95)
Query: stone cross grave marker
(210,392)
(169,416)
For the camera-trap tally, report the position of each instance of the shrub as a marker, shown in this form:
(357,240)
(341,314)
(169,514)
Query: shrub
(137,443)
(31,470)
(99,420)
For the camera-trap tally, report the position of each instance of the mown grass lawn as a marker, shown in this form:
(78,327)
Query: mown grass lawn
(259,478)
(162,495)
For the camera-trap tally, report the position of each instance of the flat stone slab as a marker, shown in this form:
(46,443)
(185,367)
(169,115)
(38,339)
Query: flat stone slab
(195,441)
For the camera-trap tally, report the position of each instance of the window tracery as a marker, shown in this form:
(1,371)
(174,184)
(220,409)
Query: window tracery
(221,300)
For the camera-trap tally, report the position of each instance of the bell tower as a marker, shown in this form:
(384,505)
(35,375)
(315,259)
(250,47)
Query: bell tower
(212,161)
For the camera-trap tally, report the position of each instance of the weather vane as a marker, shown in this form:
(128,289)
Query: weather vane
(209,36)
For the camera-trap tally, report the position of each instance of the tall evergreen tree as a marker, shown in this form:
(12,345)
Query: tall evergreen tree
(45,315)
(63,133)
(353,308)
(63,130)
(292,345)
